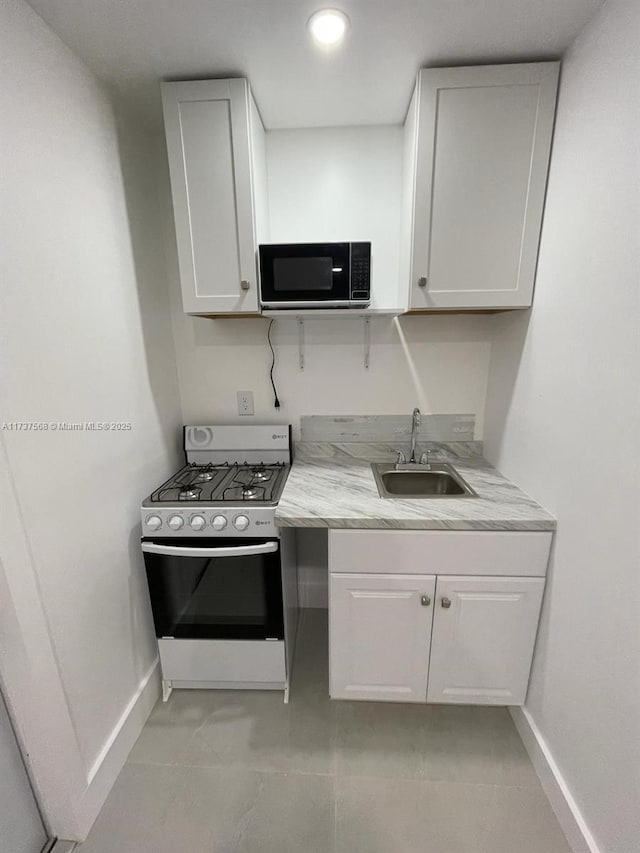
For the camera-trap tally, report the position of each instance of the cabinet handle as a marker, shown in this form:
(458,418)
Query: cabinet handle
(244,284)
(422,281)
(446,602)
(425,601)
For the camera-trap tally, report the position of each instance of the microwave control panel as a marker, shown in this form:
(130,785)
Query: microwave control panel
(360,271)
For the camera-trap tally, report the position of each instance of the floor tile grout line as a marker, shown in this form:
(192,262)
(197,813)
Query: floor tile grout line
(332,775)
(424,780)
(233,768)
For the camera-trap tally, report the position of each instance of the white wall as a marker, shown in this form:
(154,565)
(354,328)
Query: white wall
(563,420)
(85,335)
(332,184)
(336,184)
(437,363)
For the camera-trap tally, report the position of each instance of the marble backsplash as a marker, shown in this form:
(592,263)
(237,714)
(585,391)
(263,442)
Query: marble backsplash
(380,437)
(343,429)
(382,451)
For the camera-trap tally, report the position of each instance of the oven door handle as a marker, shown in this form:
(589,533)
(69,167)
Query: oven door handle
(239,551)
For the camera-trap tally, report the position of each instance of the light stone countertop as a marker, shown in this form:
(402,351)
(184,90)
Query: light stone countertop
(333,486)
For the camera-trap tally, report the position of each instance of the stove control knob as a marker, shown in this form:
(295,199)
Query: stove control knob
(241,522)
(218,522)
(154,522)
(176,522)
(197,522)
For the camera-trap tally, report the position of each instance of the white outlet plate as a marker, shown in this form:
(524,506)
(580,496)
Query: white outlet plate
(245,403)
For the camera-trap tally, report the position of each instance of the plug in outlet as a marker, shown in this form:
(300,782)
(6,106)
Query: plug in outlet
(245,403)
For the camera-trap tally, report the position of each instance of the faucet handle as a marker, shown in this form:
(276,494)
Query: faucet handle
(401,460)
(424,457)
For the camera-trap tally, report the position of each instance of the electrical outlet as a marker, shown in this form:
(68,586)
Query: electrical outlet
(245,403)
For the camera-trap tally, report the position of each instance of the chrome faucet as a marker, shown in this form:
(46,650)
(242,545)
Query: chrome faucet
(415,423)
(424,459)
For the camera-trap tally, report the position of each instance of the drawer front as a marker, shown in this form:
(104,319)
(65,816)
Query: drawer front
(260,661)
(435,552)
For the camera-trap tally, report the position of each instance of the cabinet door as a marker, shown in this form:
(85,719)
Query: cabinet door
(484,630)
(379,636)
(482,144)
(209,127)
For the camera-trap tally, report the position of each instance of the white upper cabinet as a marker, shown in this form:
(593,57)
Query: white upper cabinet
(477,144)
(217,163)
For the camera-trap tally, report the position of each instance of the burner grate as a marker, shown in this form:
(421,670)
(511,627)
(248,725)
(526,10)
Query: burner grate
(224,483)
(244,493)
(192,483)
(253,483)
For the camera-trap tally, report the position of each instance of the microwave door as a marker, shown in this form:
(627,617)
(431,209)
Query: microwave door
(313,275)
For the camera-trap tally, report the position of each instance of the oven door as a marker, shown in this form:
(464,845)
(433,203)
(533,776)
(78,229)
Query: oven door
(312,275)
(215,588)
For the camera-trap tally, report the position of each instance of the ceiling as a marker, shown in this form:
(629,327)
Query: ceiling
(134,43)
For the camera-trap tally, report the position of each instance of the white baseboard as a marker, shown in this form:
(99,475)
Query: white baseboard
(110,761)
(562,802)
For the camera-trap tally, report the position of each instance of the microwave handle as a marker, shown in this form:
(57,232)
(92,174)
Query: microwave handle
(178,551)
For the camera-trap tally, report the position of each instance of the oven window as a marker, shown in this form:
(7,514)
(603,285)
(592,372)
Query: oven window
(302,274)
(215,597)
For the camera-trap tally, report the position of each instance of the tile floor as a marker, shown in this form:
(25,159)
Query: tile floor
(240,772)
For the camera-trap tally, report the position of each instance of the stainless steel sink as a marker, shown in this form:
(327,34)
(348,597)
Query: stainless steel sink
(439,480)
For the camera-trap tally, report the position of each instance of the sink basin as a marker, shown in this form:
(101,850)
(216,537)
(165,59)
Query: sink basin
(439,480)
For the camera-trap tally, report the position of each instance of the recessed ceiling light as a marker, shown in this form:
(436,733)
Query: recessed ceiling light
(328,26)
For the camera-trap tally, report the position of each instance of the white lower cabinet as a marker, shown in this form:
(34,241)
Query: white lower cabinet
(426,634)
(380,632)
(484,630)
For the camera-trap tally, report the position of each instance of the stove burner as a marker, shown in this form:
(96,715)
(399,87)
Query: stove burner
(260,473)
(189,494)
(250,493)
(204,476)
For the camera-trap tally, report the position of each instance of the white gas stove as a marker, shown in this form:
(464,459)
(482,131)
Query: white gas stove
(222,578)
(229,487)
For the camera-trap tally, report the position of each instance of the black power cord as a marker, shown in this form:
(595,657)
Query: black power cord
(276,402)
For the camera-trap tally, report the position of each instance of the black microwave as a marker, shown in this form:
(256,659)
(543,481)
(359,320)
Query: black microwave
(315,275)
